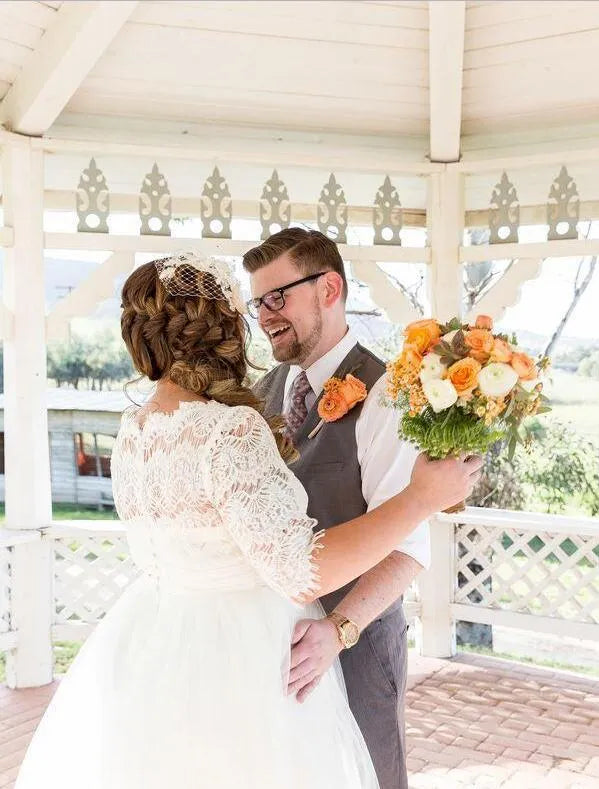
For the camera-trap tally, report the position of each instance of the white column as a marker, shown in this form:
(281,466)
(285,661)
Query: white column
(435,632)
(435,627)
(27,462)
(445,222)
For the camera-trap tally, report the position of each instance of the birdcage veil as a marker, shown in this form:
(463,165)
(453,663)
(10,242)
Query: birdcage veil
(189,274)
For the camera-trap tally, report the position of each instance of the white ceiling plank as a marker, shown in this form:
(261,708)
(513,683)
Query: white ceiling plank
(20,32)
(30,12)
(264,21)
(77,37)
(446,56)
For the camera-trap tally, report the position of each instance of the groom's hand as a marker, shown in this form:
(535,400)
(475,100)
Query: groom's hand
(315,645)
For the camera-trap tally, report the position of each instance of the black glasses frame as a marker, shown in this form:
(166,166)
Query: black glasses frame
(253,305)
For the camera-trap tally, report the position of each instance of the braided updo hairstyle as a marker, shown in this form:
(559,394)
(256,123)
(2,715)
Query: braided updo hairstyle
(198,343)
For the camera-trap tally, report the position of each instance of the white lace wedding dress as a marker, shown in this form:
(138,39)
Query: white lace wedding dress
(182,684)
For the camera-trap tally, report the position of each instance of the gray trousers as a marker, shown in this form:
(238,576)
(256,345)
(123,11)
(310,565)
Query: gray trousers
(375,673)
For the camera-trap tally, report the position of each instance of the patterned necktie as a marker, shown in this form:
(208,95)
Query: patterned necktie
(297,413)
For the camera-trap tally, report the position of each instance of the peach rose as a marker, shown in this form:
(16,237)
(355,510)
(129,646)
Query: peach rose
(411,356)
(464,375)
(480,342)
(524,366)
(422,334)
(332,406)
(484,322)
(501,352)
(353,390)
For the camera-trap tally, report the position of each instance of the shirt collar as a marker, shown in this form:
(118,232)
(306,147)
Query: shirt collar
(323,368)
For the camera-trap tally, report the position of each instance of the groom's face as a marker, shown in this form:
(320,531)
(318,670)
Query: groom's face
(294,330)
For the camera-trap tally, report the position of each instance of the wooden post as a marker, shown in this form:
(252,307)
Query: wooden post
(435,632)
(27,457)
(445,221)
(435,628)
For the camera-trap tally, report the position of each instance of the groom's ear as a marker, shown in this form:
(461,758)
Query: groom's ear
(332,288)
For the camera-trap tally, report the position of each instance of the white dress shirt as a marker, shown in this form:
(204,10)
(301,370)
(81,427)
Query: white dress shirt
(385,461)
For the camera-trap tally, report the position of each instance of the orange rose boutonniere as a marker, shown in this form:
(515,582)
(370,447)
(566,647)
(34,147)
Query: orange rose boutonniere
(340,396)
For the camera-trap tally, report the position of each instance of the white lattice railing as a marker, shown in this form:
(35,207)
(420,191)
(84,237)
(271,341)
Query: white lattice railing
(92,566)
(524,570)
(515,569)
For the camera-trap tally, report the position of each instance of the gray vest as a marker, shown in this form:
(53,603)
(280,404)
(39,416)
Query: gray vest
(328,466)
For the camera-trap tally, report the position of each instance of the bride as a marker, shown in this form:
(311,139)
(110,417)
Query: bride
(183,683)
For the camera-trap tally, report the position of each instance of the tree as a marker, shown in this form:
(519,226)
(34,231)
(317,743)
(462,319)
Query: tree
(581,283)
(590,366)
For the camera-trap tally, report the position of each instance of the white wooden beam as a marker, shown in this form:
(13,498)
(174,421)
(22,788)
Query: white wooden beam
(445,216)
(446,58)
(84,299)
(564,248)
(26,451)
(68,50)
(219,246)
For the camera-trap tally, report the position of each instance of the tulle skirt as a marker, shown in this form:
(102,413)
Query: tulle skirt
(186,690)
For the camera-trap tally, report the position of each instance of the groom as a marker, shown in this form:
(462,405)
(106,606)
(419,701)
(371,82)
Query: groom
(350,466)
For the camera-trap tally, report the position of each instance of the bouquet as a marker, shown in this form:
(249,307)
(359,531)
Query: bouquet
(462,388)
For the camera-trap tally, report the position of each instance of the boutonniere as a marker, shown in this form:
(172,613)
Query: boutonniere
(340,396)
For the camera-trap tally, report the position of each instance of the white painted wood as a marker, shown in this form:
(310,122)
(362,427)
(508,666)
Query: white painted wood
(435,628)
(528,622)
(445,216)
(543,249)
(325,150)
(217,246)
(76,39)
(446,54)
(75,631)
(8,641)
(384,294)
(332,22)
(536,522)
(84,299)
(506,292)
(25,419)
(29,12)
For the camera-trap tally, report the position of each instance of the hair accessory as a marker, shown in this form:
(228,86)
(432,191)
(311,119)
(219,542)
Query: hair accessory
(188,274)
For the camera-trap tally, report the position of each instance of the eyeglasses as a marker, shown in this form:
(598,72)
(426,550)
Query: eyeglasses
(274,300)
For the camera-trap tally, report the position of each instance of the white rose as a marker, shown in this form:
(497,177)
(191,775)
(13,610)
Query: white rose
(497,379)
(432,367)
(440,394)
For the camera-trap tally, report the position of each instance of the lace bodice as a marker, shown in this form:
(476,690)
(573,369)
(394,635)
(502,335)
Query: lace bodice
(209,503)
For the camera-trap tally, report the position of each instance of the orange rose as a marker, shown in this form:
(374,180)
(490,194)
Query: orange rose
(353,390)
(524,366)
(480,342)
(411,356)
(332,406)
(422,334)
(501,352)
(484,322)
(464,375)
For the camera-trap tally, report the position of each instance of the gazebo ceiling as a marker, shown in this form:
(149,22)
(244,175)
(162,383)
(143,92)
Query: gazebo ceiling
(437,78)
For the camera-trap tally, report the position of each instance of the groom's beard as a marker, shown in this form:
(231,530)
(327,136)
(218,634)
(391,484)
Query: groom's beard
(295,352)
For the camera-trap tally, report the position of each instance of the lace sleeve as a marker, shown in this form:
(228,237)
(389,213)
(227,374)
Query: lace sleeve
(261,503)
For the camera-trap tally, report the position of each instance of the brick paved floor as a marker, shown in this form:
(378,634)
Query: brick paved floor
(472,723)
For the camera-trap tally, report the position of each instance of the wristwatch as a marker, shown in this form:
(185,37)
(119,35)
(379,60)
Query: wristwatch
(348,631)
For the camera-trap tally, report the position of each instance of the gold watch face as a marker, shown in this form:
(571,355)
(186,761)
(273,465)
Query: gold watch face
(351,634)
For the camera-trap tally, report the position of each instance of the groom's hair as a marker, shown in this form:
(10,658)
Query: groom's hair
(310,250)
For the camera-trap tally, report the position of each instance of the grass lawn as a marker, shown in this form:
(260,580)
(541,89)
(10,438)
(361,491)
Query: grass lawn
(75,512)
(575,399)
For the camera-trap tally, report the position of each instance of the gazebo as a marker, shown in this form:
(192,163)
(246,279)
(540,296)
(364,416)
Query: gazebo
(365,119)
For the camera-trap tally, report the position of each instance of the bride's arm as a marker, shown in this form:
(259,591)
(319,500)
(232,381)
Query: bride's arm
(257,498)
